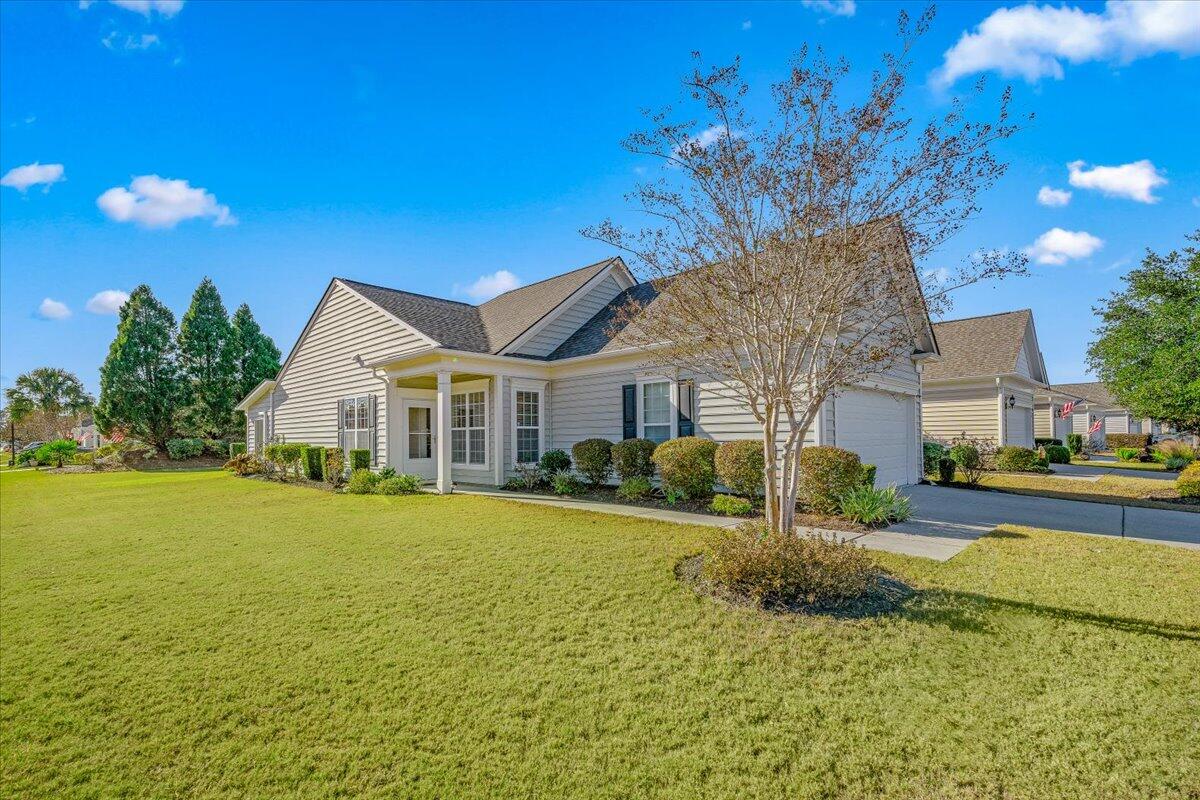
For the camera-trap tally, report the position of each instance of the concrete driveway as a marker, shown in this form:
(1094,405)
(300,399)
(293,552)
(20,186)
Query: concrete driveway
(948,520)
(1084,471)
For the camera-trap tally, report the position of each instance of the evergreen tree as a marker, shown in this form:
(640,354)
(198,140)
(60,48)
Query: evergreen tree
(206,360)
(140,385)
(256,358)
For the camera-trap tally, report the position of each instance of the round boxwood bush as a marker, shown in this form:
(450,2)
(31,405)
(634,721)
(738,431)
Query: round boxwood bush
(1057,454)
(554,461)
(593,459)
(946,468)
(740,467)
(686,466)
(827,473)
(633,458)
(1012,458)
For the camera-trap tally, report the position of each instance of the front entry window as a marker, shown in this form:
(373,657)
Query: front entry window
(420,432)
(468,431)
(529,426)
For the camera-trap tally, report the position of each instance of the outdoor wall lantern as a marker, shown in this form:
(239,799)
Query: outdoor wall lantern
(1012,401)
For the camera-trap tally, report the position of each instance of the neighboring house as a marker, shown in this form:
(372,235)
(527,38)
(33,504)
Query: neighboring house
(1100,404)
(86,434)
(1048,420)
(463,394)
(985,382)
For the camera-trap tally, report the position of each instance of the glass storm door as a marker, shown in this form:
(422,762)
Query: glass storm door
(419,454)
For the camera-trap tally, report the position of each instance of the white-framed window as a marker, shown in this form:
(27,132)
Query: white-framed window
(656,410)
(468,428)
(357,425)
(528,418)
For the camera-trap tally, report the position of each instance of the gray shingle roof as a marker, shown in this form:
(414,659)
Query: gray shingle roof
(486,328)
(979,346)
(1095,392)
(593,336)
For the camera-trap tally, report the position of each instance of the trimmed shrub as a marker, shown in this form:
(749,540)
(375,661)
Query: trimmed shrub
(868,475)
(399,484)
(1127,453)
(215,447)
(637,487)
(333,467)
(182,449)
(827,473)
(362,481)
(774,569)
(387,472)
(310,459)
(687,466)
(730,506)
(933,453)
(236,449)
(245,464)
(1075,443)
(1188,482)
(1057,454)
(564,482)
(1137,441)
(87,459)
(946,470)
(593,459)
(739,466)
(1018,459)
(1040,441)
(554,461)
(57,453)
(633,458)
(360,459)
(870,506)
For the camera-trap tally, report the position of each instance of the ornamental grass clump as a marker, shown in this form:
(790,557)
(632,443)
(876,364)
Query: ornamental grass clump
(564,482)
(867,505)
(635,488)
(775,569)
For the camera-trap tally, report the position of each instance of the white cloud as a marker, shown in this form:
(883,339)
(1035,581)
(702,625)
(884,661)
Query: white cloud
(936,276)
(1057,246)
(155,202)
(708,136)
(166,8)
(21,178)
(838,8)
(1032,41)
(52,309)
(113,41)
(108,301)
(747,25)
(488,286)
(1053,197)
(1135,181)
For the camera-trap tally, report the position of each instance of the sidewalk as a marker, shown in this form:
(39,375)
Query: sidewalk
(942,545)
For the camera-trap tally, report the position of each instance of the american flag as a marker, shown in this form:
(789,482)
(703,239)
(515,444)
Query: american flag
(1067,408)
(1096,425)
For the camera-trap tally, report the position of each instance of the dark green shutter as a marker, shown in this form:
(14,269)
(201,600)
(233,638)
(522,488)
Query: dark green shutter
(686,404)
(629,411)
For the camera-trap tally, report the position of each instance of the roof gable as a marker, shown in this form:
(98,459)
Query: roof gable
(1094,392)
(981,346)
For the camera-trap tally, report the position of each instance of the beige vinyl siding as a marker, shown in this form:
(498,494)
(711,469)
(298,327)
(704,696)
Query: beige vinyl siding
(571,319)
(259,410)
(1116,423)
(947,413)
(329,364)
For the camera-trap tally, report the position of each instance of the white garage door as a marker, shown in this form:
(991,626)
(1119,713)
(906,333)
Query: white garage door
(881,428)
(1019,427)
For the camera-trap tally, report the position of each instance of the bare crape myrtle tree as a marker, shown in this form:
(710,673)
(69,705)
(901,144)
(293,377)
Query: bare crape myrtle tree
(782,249)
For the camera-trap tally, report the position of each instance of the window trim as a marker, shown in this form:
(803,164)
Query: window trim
(343,429)
(524,385)
(487,429)
(644,380)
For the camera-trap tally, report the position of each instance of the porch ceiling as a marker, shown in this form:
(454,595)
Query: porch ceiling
(430,381)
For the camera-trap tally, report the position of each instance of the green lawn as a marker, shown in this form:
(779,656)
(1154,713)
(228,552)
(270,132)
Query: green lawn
(1147,466)
(197,635)
(1117,489)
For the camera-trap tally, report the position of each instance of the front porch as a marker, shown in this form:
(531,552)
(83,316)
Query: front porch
(452,421)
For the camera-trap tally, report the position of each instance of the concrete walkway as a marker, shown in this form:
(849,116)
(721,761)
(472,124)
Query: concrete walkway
(1083,470)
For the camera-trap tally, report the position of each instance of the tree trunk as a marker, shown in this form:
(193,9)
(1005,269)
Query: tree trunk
(770,470)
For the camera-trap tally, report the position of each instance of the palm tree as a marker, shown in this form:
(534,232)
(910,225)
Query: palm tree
(50,395)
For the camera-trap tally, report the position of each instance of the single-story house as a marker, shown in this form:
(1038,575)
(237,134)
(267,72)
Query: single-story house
(1099,403)
(1048,420)
(87,434)
(463,393)
(983,385)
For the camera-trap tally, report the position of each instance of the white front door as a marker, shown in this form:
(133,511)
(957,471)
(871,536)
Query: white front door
(420,455)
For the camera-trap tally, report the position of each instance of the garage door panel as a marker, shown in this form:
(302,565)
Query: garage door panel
(880,428)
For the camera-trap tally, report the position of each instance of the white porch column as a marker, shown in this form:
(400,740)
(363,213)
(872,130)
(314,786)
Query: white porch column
(444,483)
(499,422)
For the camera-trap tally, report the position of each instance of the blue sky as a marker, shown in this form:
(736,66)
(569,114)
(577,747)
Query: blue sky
(426,146)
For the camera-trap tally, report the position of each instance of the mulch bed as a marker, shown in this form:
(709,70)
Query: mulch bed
(886,595)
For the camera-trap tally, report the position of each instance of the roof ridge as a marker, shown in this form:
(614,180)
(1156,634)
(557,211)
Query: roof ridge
(985,316)
(407,292)
(550,278)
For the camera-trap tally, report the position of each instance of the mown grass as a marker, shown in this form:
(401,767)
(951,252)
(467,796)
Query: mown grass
(1146,466)
(197,635)
(1116,489)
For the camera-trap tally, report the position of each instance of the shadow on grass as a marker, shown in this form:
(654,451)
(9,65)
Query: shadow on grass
(968,612)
